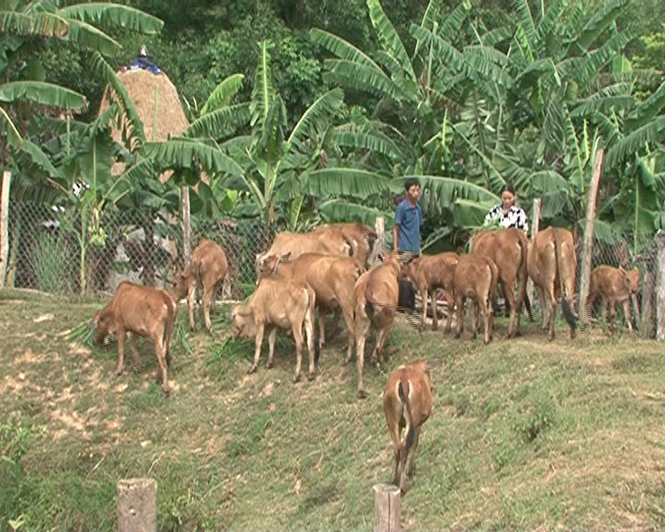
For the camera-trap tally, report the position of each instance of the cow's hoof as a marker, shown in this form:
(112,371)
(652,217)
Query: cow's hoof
(252,369)
(118,372)
(517,334)
(166,392)
(311,376)
(297,378)
(269,365)
(362,394)
(458,335)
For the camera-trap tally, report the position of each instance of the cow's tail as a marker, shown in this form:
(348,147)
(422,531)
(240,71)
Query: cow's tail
(491,291)
(566,308)
(403,389)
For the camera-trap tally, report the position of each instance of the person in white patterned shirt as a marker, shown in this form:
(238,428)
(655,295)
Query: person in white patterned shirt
(507,213)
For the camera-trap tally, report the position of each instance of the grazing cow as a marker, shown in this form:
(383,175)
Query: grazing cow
(331,278)
(508,249)
(142,310)
(613,285)
(277,303)
(429,273)
(207,269)
(552,265)
(330,242)
(476,277)
(407,402)
(361,236)
(376,296)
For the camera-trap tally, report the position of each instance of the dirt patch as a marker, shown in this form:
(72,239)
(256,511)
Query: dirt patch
(27,357)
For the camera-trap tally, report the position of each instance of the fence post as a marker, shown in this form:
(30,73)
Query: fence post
(588,235)
(386,508)
(648,289)
(4,225)
(186,227)
(137,505)
(535,226)
(660,286)
(380,226)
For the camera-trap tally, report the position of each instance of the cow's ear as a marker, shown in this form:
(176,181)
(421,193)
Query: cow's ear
(285,256)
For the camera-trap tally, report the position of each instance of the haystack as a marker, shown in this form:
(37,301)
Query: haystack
(156,100)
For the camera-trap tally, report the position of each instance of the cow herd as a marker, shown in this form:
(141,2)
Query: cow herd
(338,268)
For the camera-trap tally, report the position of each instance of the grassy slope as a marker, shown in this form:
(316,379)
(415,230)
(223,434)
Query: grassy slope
(525,433)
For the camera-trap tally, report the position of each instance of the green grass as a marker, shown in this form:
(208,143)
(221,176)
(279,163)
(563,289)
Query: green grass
(525,433)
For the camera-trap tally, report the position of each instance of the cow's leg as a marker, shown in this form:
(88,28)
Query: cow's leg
(380,343)
(362,329)
(350,325)
(435,309)
(450,305)
(544,307)
(474,318)
(208,293)
(297,336)
(191,292)
(309,337)
(603,313)
(486,311)
(162,372)
(272,336)
(411,470)
(121,351)
(509,294)
(322,327)
(613,311)
(553,304)
(404,453)
(257,346)
(629,316)
(460,316)
(394,430)
(132,344)
(422,290)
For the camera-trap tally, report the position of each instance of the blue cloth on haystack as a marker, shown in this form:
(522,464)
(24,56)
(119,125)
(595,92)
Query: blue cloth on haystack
(144,63)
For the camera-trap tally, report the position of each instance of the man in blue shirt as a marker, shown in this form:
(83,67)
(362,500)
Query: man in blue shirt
(408,219)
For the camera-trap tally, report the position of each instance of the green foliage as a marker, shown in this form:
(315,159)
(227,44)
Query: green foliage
(49,258)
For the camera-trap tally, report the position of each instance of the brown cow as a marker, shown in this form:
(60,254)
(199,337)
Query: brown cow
(141,310)
(376,296)
(361,236)
(330,242)
(277,303)
(331,278)
(476,277)
(508,249)
(207,269)
(430,272)
(552,266)
(613,285)
(407,402)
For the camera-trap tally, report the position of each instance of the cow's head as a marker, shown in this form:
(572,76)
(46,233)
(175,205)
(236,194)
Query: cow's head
(271,263)
(242,322)
(632,279)
(181,284)
(104,326)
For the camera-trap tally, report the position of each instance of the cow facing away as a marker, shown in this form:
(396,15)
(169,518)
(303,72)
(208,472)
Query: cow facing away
(144,311)
(207,269)
(508,249)
(552,266)
(277,304)
(407,403)
(613,285)
(476,278)
(361,236)
(376,295)
(331,278)
(429,273)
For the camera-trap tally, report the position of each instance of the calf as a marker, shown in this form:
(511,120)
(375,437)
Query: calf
(141,310)
(508,249)
(613,285)
(475,277)
(552,265)
(376,295)
(207,269)
(331,278)
(277,303)
(430,272)
(407,402)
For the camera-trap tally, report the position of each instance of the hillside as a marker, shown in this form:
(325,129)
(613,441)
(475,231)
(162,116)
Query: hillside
(525,434)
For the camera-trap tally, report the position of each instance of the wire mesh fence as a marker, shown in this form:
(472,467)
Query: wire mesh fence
(56,250)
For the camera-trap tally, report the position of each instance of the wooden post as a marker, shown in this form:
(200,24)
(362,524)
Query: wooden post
(4,224)
(186,227)
(587,248)
(535,226)
(660,286)
(137,505)
(648,288)
(380,226)
(386,508)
